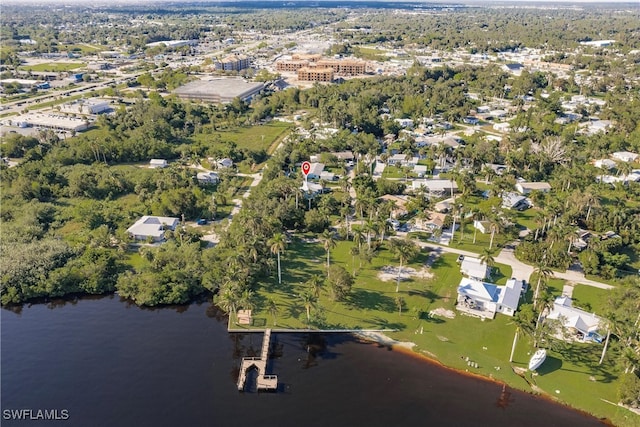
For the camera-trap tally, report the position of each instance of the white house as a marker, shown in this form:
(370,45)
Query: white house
(152,227)
(158,163)
(434,222)
(405,123)
(502,127)
(315,171)
(528,187)
(514,201)
(224,163)
(474,268)
(625,156)
(582,325)
(436,187)
(486,299)
(604,164)
(482,226)
(207,177)
(420,170)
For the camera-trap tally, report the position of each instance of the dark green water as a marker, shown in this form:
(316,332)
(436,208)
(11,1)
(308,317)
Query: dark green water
(109,363)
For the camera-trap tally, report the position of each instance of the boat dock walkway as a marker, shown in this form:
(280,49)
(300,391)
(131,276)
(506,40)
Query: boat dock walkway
(264,382)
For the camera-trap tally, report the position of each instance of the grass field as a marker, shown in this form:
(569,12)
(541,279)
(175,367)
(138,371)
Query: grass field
(255,138)
(464,240)
(53,66)
(590,299)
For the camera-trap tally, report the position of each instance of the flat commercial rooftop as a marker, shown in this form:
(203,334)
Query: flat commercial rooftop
(219,90)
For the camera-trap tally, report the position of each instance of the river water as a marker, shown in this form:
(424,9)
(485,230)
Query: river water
(110,363)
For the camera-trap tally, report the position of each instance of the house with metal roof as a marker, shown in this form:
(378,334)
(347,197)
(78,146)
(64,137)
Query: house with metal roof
(152,227)
(486,299)
(580,325)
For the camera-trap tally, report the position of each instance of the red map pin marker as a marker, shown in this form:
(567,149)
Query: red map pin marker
(306,167)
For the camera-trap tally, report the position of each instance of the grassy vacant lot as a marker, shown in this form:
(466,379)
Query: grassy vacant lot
(568,374)
(53,66)
(255,138)
(464,240)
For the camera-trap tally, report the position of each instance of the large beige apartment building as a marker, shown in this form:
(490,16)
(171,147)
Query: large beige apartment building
(311,67)
(292,66)
(345,67)
(315,74)
(233,63)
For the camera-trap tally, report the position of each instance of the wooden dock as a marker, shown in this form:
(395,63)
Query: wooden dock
(264,381)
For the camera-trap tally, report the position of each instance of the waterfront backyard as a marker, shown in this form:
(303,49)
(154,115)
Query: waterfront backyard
(426,316)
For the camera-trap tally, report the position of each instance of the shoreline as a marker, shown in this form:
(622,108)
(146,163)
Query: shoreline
(407,347)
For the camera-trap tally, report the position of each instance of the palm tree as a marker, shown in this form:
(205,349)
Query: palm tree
(488,172)
(369,227)
(246,299)
(273,309)
(544,273)
(354,251)
(228,300)
(487,259)
(345,211)
(329,243)
(494,228)
(405,250)
(309,301)
(314,285)
(277,245)
(399,303)
(358,235)
(592,200)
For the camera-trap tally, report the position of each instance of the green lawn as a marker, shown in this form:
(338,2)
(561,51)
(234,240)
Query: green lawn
(590,299)
(396,172)
(53,66)
(464,240)
(526,218)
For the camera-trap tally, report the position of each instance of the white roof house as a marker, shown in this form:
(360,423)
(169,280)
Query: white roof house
(315,171)
(405,123)
(474,268)
(486,299)
(512,200)
(152,227)
(224,163)
(207,177)
(421,170)
(158,163)
(583,324)
(604,164)
(528,187)
(436,187)
(625,156)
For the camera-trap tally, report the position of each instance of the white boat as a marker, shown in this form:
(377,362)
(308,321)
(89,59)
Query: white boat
(537,359)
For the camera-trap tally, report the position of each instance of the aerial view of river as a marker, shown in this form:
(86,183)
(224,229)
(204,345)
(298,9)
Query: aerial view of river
(105,362)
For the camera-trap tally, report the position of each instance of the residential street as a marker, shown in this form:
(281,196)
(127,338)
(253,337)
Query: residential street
(520,270)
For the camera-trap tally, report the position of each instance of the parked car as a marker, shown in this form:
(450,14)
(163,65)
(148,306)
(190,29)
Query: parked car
(202,221)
